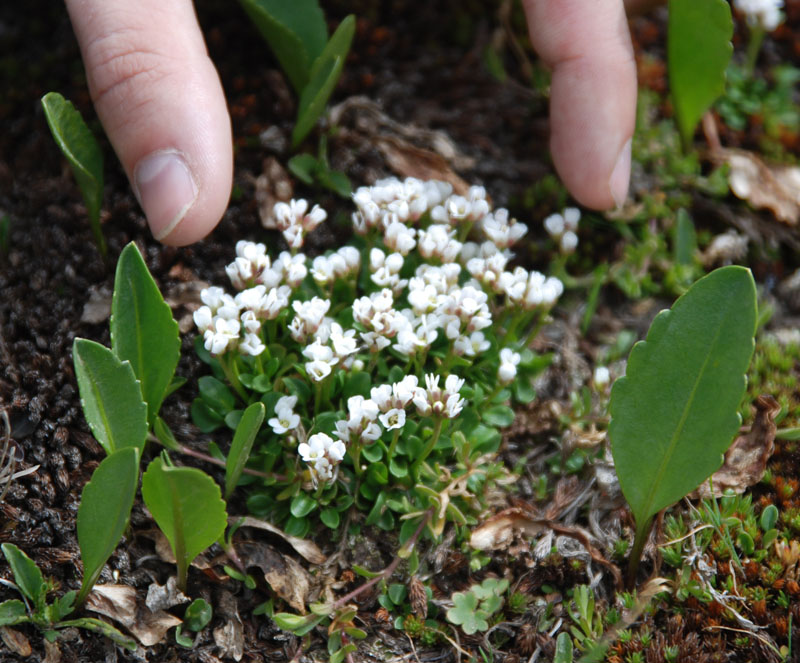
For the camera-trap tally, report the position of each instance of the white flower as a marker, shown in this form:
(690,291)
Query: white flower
(432,400)
(572,215)
(224,334)
(318,370)
(285,419)
(568,242)
(344,342)
(394,418)
(252,345)
(765,13)
(554,225)
(203,318)
(602,377)
(506,373)
(250,323)
(323,454)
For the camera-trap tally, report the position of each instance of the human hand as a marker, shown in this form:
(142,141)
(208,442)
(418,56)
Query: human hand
(162,106)
(593,93)
(146,60)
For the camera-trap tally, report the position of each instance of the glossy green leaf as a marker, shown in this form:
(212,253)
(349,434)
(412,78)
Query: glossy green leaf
(243,439)
(142,329)
(164,434)
(698,51)
(302,505)
(103,628)
(26,574)
(110,395)
(330,517)
(297,624)
(12,612)
(104,511)
(324,75)
(187,505)
(563,653)
(498,415)
(206,419)
(674,413)
(295,31)
(79,146)
(198,615)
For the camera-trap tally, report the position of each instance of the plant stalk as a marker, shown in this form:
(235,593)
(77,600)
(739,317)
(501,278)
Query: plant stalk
(636,552)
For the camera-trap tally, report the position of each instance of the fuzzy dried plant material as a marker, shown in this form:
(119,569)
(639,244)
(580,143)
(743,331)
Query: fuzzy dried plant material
(308,549)
(164,597)
(725,249)
(746,459)
(120,603)
(229,638)
(16,641)
(273,186)
(285,576)
(418,597)
(774,187)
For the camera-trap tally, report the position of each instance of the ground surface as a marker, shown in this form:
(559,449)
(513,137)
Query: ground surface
(423,72)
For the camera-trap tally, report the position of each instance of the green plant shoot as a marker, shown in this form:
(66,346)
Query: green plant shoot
(698,51)
(243,439)
(110,396)
(143,331)
(674,413)
(187,505)
(79,146)
(104,511)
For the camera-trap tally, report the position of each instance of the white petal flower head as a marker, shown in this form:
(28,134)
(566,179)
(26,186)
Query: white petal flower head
(344,342)
(394,418)
(602,377)
(403,391)
(568,242)
(382,396)
(222,336)
(337,451)
(250,323)
(554,225)
(284,420)
(318,370)
(507,372)
(203,318)
(453,406)
(453,384)
(508,356)
(286,403)
(252,345)
(351,256)
(213,297)
(763,13)
(572,216)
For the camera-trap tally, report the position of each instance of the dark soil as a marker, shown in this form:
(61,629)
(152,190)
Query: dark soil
(421,67)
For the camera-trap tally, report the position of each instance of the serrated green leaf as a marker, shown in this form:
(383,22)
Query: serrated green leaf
(243,439)
(698,52)
(26,574)
(323,77)
(110,395)
(187,506)
(12,612)
(143,331)
(79,146)
(295,31)
(104,511)
(674,413)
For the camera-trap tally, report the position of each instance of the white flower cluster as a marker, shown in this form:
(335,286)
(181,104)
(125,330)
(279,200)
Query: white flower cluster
(437,401)
(530,290)
(265,288)
(562,228)
(763,13)
(323,454)
(292,220)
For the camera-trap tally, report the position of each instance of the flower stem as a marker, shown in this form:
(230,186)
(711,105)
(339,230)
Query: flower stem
(232,376)
(437,431)
(390,453)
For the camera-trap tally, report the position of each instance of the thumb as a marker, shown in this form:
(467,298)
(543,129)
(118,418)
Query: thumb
(161,104)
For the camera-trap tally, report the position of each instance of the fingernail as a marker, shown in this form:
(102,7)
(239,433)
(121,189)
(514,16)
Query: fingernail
(166,190)
(621,175)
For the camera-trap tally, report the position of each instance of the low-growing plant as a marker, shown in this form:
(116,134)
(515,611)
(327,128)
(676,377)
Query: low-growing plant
(34,607)
(79,146)
(298,36)
(473,608)
(674,413)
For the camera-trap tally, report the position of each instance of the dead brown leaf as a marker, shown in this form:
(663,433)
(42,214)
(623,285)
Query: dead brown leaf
(98,308)
(16,641)
(52,652)
(287,578)
(775,187)
(746,459)
(164,597)
(308,549)
(272,186)
(408,160)
(230,636)
(120,603)
(164,550)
